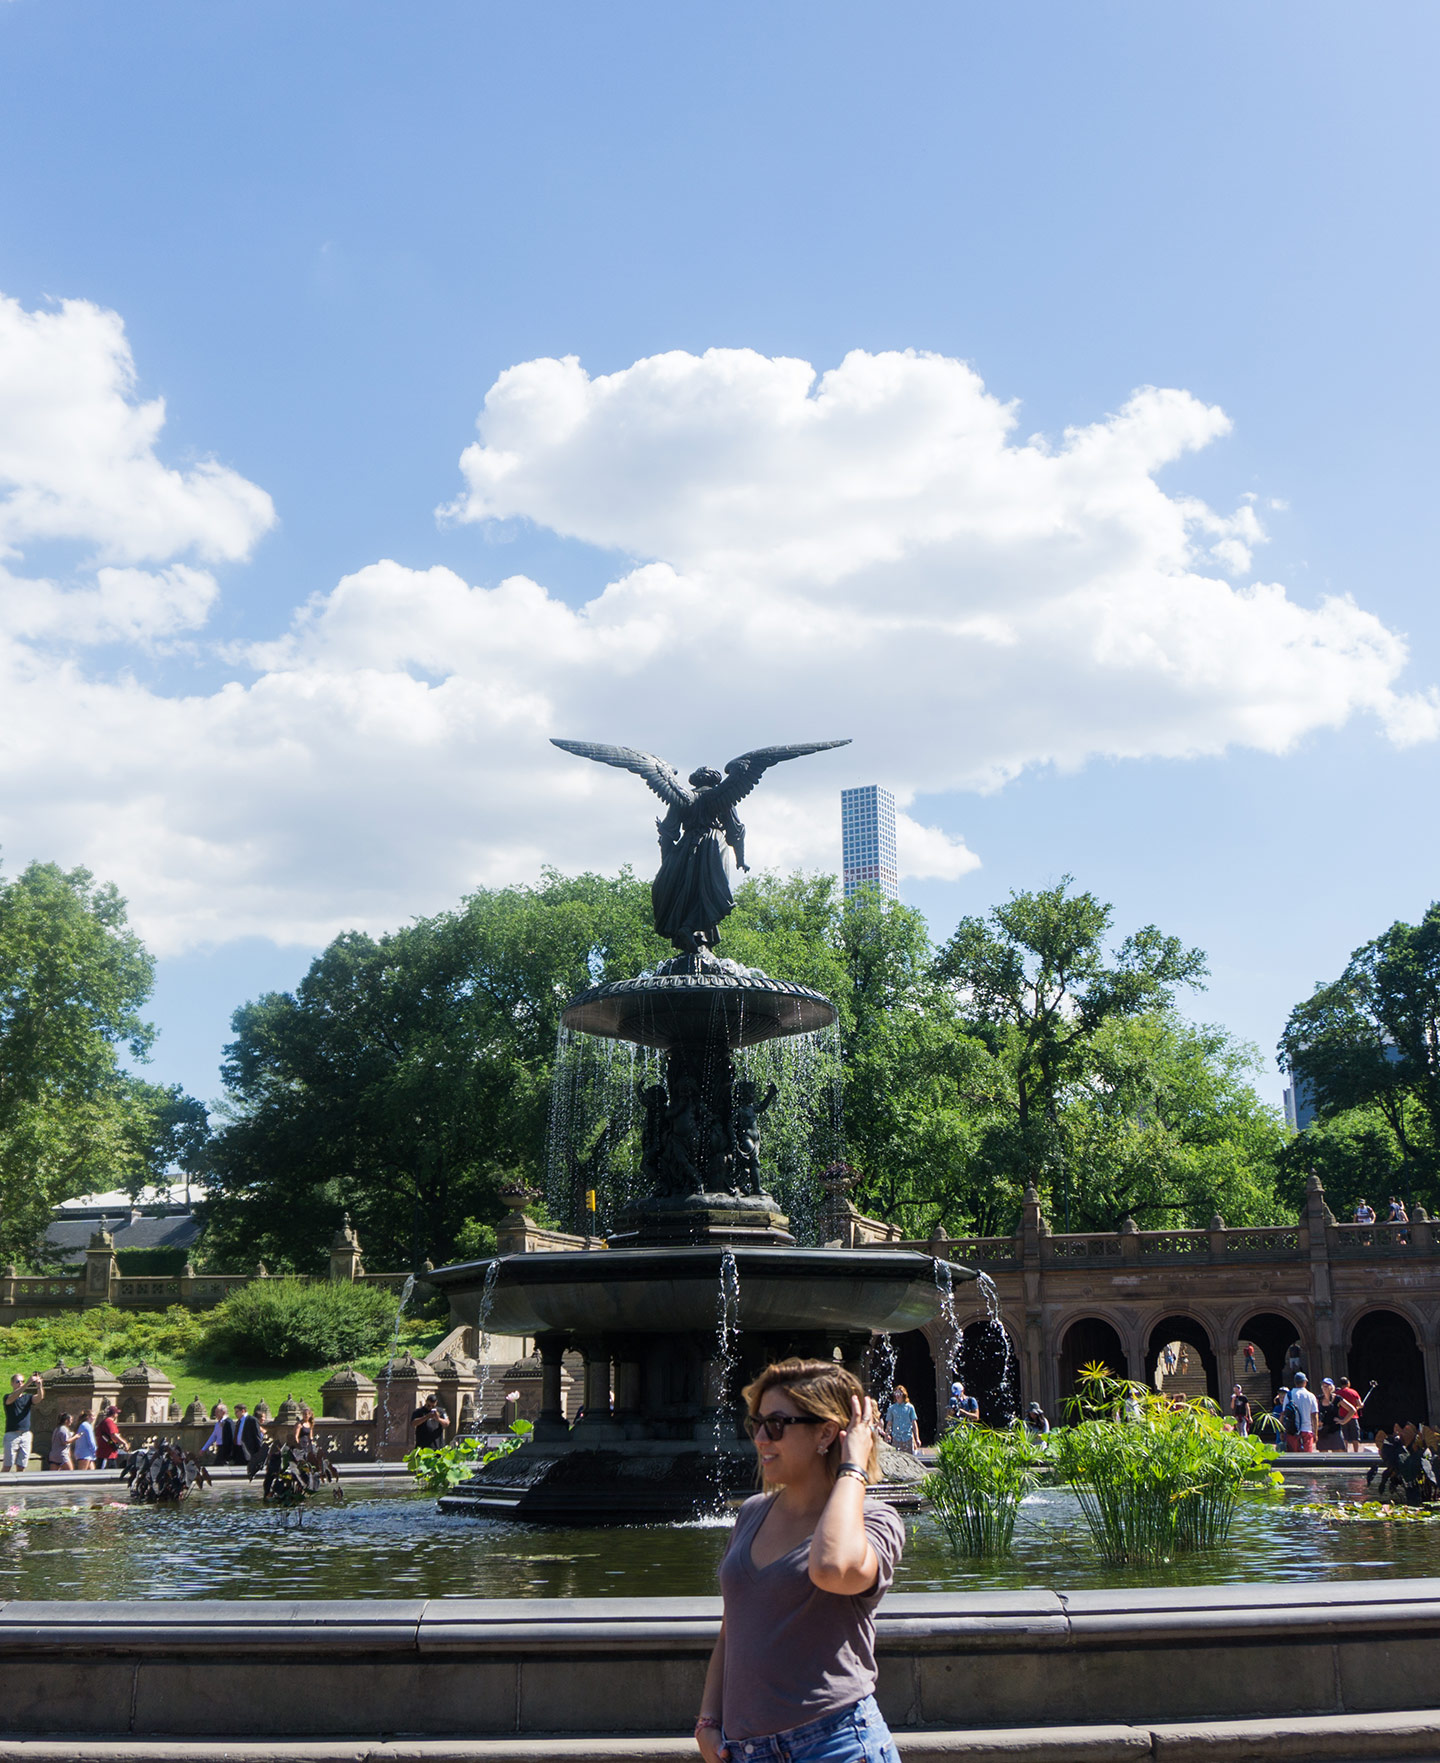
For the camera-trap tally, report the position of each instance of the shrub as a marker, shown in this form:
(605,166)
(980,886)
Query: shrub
(282,1322)
(111,1337)
(979,1480)
(1154,1478)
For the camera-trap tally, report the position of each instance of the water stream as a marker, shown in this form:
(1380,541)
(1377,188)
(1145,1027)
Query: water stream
(482,1341)
(727,1355)
(405,1291)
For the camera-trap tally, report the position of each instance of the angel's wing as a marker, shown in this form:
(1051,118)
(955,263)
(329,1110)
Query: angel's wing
(742,774)
(661,777)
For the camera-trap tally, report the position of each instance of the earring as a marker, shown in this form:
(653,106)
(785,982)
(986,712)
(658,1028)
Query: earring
(820,1450)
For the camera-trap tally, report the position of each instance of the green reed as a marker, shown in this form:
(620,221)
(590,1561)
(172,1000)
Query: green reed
(979,1480)
(1154,1477)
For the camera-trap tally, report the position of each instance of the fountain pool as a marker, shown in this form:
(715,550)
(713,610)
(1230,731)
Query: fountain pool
(389,1542)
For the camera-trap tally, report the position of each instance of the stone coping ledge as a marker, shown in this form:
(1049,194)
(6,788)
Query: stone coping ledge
(1332,1738)
(909,1623)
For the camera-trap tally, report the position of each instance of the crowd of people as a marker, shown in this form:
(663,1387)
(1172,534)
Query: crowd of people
(1330,1421)
(91,1439)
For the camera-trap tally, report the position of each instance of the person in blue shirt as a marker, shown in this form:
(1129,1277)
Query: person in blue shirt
(902,1423)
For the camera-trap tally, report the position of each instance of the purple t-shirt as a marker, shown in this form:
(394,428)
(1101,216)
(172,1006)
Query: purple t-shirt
(793,1653)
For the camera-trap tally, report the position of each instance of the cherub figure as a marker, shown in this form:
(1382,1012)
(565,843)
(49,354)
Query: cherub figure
(745,1132)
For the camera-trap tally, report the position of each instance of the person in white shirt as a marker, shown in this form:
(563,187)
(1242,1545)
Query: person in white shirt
(1302,1400)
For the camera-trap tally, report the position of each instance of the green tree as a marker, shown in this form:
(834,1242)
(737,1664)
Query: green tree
(407,1075)
(1370,1041)
(73,979)
(1034,983)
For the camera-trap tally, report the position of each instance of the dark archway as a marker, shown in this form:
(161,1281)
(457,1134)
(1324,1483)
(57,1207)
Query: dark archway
(1087,1341)
(991,1370)
(1192,1333)
(1272,1336)
(915,1368)
(1383,1349)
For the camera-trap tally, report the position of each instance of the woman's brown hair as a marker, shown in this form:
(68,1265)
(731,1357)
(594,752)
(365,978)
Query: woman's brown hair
(819,1387)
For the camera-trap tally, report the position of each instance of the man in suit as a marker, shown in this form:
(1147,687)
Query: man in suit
(237,1440)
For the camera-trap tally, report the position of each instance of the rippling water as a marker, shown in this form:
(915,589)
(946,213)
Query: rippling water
(390,1542)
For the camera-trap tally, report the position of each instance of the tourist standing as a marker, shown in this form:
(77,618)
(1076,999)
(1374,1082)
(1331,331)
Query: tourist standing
(60,1441)
(84,1451)
(1240,1408)
(1249,1357)
(1348,1406)
(18,1425)
(1304,1408)
(902,1423)
(429,1421)
(963,1407)
(1328,1436)
(109,1441)
(792,1677)
(1364,1213)
(1277,1414)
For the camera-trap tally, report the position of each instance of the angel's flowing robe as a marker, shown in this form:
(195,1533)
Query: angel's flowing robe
(691,894)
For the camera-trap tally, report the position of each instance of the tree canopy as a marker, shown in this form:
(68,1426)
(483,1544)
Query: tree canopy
(1367,1046)
(73,979)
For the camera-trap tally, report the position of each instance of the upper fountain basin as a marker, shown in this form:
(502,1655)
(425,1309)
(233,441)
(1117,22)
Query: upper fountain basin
(657,1291)
(719,1001)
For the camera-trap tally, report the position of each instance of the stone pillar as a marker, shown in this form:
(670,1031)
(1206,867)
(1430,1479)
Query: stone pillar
(102,1269)
(836,1210)
(1324,1343)
(402,1386)
(551,1424)
(457,1381)
(347,1395)
(627,1381)
(345,1263)
(286,1416)
(597,1379)
(1039,1374)
(145,1394)
(1129,1241)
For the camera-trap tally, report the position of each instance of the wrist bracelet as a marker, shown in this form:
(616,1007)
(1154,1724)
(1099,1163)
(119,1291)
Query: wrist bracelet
(852,1469)
(705,1720)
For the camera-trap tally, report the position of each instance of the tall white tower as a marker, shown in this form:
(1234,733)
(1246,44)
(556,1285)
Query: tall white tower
(867,840)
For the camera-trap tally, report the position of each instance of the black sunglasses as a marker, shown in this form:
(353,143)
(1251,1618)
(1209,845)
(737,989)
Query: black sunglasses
(773,1425)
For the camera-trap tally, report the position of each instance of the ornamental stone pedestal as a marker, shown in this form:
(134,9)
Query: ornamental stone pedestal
(458,1379)
(347,1395)
(145,1394)
(403,1385)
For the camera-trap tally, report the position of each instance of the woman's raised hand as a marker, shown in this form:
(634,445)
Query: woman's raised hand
(858,1439)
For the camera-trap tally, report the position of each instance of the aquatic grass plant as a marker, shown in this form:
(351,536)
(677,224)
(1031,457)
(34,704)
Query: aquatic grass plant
(979,1479)
(1155,1476)
(439,1468)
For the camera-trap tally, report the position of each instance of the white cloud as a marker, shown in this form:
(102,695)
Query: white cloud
(872,553)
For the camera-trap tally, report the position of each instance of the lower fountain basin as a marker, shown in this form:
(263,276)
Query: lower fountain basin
(659,1291)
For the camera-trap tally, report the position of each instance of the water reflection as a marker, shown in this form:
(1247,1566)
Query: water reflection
(390,1542)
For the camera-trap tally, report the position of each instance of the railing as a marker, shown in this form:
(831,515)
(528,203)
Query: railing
(1174,1245)
(1089,1246)
(1266,1243)
(981,1250)
(1382,1239)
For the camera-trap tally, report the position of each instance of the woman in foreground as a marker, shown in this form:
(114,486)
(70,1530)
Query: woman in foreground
(792,1677)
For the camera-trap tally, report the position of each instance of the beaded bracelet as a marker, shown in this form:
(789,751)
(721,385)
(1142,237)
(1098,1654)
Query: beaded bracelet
(705,1720)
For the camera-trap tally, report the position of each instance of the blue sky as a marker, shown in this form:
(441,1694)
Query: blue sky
(327,231)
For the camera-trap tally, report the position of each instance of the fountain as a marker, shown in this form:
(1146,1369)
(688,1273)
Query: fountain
(642,1312)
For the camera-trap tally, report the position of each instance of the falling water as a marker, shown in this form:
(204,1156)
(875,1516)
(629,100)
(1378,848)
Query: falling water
(727,1356)
(1006,1393)
(405,1291)
(482,1344)
(883,1365)
(953,1334)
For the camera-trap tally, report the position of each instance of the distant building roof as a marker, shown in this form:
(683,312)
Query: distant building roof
(153,1220)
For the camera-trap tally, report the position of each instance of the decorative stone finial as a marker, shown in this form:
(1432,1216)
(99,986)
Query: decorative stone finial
(1217,1222)
(1128,1227)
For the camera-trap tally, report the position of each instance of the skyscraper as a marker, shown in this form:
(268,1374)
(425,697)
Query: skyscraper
(867,840)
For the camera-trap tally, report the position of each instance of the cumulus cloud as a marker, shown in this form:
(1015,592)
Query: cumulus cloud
(874,551)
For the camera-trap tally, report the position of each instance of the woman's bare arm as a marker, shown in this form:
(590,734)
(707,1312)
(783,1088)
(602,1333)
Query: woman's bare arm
(842,1557)
(708,1737)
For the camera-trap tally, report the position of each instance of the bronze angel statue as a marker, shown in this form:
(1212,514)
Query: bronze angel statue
(691,894)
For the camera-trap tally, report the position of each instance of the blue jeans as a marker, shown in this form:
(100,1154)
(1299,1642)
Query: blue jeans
(857,1734)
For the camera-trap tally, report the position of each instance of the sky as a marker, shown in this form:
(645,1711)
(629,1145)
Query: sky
(1041,397)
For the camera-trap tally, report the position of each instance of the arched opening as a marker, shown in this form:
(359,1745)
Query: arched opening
(991,1370)
(1383,1350)
(1087,1341)
(1273,1337)
(1192,1345)
(915,1368)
